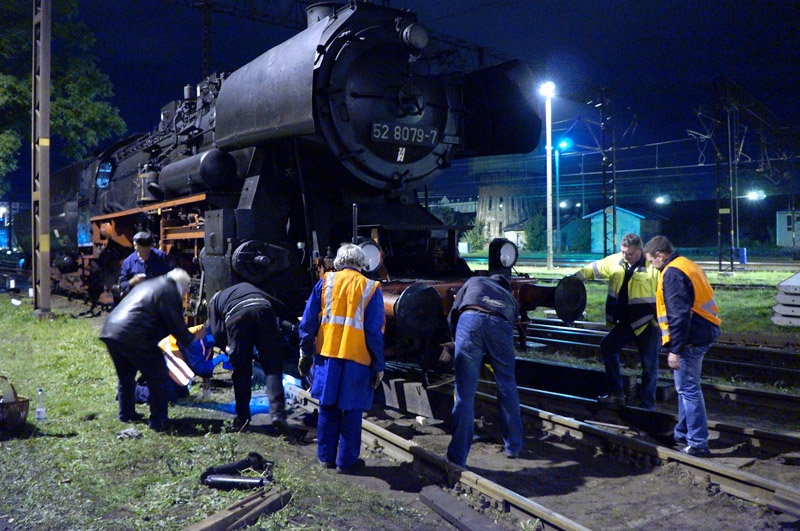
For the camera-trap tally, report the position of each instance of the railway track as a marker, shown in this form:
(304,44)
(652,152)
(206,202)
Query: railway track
(606,457)
(708,265)
(776,364)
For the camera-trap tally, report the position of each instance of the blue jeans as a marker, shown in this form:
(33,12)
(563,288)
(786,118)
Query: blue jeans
(480,338)
(692,421)
(338,436)
(648,344)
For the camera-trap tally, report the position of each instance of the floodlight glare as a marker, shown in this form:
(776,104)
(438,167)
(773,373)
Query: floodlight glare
(660,200)
(548,89)
(565,143)
(756,195)
(562,204)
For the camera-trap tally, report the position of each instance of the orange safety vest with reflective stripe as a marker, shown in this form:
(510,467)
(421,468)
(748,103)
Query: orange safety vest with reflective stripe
(178,370)
(703,304)
(345,295)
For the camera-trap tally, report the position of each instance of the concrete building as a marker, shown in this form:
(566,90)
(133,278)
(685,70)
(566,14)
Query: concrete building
(500,206)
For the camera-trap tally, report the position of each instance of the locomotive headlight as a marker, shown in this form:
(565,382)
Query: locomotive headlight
(373,254)
(502,254)
(415,35)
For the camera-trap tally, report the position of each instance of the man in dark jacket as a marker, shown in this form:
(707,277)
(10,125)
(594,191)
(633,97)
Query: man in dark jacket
(482,319)
(242,317)
(143,263)
(152,310)
(690,323)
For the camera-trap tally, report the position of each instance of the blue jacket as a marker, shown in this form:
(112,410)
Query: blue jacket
(157,264)
(340,382)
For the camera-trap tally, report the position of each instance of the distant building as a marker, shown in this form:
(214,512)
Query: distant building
(787,228)
(501,206)
(516,234)
(467,205)
(627,222)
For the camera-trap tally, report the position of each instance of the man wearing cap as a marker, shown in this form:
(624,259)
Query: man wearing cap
(145,262)
(482,320)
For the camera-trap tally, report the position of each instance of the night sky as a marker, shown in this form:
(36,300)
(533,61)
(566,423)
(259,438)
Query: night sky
(657,58)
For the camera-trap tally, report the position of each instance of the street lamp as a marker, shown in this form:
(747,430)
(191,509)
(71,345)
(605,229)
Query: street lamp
(548,90)
(756,195)
(563,144)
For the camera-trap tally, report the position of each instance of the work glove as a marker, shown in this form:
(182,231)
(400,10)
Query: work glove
(448,350)
(304,365)
(221,358)
(377,377)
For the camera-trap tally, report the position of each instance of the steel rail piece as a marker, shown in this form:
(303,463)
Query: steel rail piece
(721,359)
(650,421)
(436,466)
(734,482)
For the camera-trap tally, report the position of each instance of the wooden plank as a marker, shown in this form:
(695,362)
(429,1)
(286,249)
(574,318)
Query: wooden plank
(270,505)
(459,514)
(247,510)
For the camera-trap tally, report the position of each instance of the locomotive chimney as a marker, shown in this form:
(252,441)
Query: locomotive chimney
(320,10)
(187,92)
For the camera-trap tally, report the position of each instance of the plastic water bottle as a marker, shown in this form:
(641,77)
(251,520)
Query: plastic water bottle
(41,408)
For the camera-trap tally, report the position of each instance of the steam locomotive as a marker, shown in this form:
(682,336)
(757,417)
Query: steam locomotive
(259,175)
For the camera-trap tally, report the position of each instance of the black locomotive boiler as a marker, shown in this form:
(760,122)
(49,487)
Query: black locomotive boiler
(260,174)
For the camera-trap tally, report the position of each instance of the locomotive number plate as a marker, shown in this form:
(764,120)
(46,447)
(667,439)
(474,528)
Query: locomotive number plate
(403,134)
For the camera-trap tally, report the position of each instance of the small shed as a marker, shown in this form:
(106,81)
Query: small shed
(516,233)
(627,222)
(787,228)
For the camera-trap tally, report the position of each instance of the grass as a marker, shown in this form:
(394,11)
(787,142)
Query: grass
(72,472)
(741,310)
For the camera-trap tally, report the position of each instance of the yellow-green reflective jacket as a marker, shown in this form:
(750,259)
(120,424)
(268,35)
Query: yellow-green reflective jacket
(641,289)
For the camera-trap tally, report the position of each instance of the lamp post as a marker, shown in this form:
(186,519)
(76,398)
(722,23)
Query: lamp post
(564,143)
(548,91)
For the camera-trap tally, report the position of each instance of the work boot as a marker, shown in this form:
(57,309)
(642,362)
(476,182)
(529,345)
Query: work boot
(239,423)
(133,417)
(612,399)
(696,451)
(352,469)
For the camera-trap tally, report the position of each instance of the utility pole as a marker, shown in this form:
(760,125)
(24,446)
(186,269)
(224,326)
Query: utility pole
(40,159)
(609,171)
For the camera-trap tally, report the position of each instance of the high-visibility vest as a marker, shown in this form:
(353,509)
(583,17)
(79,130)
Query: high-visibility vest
(641,289)
(178,370)
(345,295)
(703,304)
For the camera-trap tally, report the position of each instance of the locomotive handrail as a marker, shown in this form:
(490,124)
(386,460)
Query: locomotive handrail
(152,208)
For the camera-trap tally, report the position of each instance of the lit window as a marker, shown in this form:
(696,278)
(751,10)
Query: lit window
(104,172)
